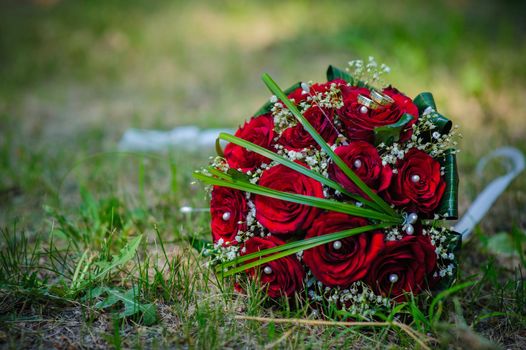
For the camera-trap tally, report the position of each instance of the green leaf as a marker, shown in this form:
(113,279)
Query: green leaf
(336,73)
(502,244)
(295,166)
(238,175)
(294,247)
(322,203)
(132,306)
(125,255)
(149,314)
(108,302)
(434,313)
(130,301)
(274,88)
(425,100)
(448,206)
(199,244)
(93,293)
(268,106)
(89,209)
(389,134)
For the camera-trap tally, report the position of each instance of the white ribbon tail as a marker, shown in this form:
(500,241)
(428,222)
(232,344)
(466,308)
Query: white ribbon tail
(184,138)
(515,164)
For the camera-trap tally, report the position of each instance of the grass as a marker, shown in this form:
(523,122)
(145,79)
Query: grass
(76,75)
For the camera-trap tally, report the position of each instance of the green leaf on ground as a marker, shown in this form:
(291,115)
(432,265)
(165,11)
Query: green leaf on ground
(130,301)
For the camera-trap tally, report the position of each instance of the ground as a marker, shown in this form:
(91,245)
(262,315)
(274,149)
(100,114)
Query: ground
(75,75)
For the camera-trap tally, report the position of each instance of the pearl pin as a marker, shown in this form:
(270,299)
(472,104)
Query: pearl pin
(337,245)
(363,110)
(357,163)
(393,278)
(226,216)
(415,178)
(409,229)
(267,270)
(411,218)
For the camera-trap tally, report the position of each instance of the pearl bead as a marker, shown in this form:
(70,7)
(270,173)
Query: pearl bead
(267,270)
(415,178)
(226,216)
(337,245)
(393,278)
(409,229)
(411,219)
(363,110)
(357,163)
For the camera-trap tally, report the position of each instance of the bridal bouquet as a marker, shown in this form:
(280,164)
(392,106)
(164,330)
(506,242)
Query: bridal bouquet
(338,192)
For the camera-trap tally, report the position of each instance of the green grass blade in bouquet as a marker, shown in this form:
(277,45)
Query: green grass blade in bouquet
(268,105)
(284,250)
(297,167)
(226,180)
(276,90)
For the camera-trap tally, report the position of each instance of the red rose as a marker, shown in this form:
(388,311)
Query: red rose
(350,262)
(402,266)
(282,217)
(360,126)
(258,130)
(418,185)
(283,276)
(228,209)
(296,137)
(298,95)
(364,160)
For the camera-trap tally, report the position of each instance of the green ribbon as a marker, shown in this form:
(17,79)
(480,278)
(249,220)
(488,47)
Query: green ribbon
(426,100)
(448,206)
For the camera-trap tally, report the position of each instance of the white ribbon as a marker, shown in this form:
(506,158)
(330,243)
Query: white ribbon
(515,164)
(185,138)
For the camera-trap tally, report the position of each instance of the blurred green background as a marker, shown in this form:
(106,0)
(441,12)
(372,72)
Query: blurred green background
(75,74)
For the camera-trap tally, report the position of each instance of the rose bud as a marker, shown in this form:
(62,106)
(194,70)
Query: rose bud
(228,210)
(296,137)
(418,185)
(282,217)
(360,122)
(282,277)
(402,266)
(258,130)
(364,160)
(345,261)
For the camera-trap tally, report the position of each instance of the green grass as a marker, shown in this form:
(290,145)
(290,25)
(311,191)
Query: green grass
(75,75)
